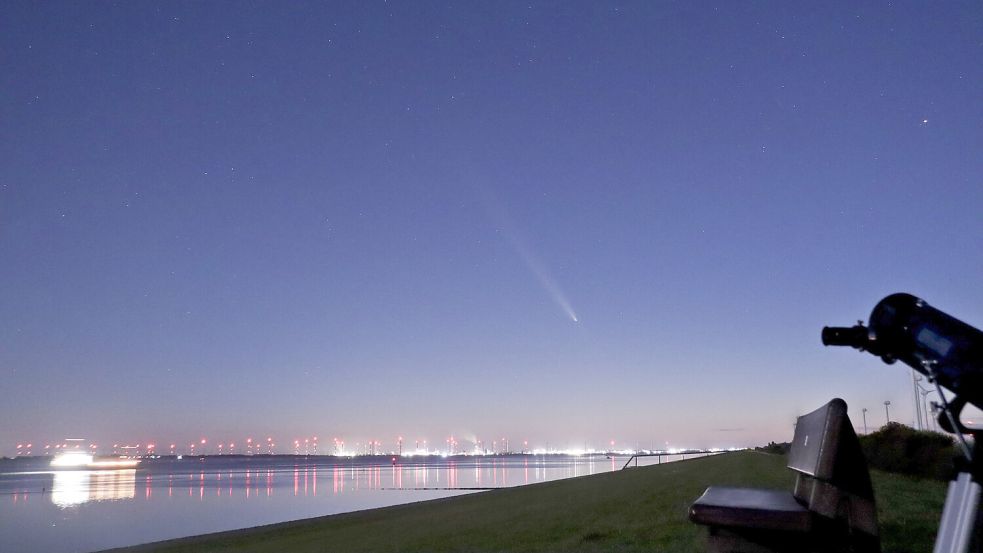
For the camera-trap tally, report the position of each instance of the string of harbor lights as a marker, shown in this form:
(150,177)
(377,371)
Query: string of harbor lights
(310,445)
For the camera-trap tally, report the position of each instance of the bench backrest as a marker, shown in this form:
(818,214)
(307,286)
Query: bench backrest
(832,478)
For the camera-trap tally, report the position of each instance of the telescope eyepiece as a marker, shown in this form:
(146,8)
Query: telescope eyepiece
(855,336)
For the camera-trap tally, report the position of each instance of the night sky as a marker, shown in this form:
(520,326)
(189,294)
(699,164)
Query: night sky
(568,222)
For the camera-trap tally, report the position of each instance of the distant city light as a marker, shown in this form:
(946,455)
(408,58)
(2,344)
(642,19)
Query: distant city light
(453,446)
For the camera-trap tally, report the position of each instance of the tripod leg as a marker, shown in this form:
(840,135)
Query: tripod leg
(958,516)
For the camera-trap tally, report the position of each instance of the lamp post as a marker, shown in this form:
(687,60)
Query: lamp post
(929,421)
(865,419)
(918,406)
(887,411)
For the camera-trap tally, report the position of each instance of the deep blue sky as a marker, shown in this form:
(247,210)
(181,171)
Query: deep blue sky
(370,219)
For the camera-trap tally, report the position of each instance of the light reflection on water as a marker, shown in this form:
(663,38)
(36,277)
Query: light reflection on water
(89,510)
(74,487)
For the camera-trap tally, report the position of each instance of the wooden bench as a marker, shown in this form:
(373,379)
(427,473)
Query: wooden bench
(831,508)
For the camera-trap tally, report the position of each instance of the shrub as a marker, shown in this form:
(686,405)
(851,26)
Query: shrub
(902,449)
(775,448)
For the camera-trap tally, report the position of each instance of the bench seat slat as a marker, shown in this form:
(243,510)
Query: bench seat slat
(751,508)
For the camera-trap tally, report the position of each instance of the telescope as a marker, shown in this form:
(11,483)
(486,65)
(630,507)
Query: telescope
(950,353)
(905,328)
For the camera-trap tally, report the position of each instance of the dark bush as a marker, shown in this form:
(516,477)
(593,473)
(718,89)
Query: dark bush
(902,449)
(775,448)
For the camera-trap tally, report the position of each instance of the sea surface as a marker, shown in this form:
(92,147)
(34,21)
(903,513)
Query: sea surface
(82,511)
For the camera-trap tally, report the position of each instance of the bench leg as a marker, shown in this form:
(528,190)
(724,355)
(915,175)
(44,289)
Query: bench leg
(865,543)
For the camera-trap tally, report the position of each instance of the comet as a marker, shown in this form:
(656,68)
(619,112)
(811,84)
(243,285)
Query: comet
(540,271)
(535,265)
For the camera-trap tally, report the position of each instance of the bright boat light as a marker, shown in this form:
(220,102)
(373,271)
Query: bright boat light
(71,459)
(79,459)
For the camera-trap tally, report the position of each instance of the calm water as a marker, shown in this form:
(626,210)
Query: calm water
(82,511)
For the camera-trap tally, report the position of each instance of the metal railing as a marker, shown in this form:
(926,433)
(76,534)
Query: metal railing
(683,454)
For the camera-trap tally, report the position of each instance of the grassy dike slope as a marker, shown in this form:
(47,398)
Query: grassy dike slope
(640,509)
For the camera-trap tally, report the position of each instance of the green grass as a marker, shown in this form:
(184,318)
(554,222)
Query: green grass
(640,509)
